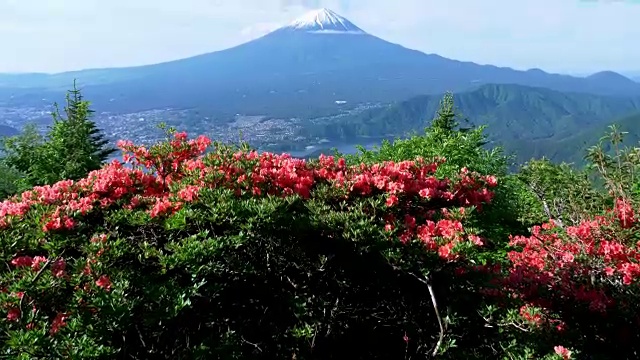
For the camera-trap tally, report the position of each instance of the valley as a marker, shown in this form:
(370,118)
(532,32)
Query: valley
(528,122)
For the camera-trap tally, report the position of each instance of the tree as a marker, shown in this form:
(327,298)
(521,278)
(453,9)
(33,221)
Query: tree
(23,154)
(77,138)
(446,116)
(9,181)
(72,148)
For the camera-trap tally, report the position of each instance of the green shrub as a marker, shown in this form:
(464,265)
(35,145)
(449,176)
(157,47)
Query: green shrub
(234,254)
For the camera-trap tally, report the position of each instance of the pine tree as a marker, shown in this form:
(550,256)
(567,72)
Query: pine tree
(446,116)
(446,121)
(72,148)
(75,142)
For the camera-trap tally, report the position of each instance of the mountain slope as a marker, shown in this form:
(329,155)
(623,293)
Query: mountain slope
(310,64)
(613,80)
(526,120)
(518,111)
(573,148)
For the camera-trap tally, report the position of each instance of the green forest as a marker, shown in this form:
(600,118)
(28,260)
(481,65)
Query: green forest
(525,121)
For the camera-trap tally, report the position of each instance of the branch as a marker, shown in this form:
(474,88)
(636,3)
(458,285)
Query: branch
(545,205)
(559,207)
(250,343)
(144,344)
(46,264)
(435,308)
(516,326)
(488,324)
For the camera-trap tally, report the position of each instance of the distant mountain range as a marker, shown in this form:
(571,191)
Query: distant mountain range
(527,121)
(312,66)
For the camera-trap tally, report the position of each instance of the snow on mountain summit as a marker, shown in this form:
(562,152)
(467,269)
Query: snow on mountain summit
(324,21)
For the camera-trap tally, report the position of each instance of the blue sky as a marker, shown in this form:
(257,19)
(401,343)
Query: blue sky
(574,36)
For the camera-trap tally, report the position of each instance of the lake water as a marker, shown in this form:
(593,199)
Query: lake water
(342,148)
(345,148)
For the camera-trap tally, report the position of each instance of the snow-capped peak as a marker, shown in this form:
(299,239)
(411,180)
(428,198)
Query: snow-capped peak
(324,21)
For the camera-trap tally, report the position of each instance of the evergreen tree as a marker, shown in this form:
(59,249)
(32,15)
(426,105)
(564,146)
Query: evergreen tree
(72,148)
(446,116)
(76,139)
(446,120)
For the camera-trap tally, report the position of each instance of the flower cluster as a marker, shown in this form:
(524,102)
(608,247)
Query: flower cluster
(38,264)
(563,352)
(412,182)
(582,263)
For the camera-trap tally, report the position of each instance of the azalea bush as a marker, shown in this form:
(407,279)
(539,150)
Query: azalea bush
(575,283)
(232,253)
(575,276)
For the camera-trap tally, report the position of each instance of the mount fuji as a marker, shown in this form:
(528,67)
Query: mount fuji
(323,21)
(316,63)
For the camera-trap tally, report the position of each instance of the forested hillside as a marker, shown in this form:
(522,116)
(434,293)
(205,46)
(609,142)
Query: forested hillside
(530,122)
(572,148)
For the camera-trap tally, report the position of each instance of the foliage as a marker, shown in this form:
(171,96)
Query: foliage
(561,192)
(578,271)
(72,148)
(21,153)
(620,170)
(463,148)
(9,180)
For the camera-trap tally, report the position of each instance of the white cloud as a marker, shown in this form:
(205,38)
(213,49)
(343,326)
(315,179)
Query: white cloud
(55,35)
